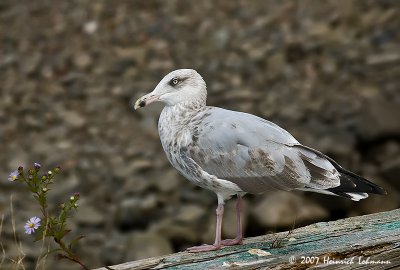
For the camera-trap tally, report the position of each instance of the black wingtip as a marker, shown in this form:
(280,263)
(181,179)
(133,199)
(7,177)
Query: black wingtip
(362,184)
(351,182)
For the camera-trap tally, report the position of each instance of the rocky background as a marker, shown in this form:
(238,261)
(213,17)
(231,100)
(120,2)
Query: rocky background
(327,71)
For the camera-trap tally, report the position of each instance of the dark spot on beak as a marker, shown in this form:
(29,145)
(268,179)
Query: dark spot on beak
(142,103)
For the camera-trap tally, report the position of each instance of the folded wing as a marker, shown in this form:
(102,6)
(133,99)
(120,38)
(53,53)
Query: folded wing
(257,155)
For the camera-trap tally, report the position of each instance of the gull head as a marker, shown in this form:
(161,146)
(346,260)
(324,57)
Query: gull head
(178,86)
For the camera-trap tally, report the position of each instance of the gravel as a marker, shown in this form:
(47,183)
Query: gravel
(69,69)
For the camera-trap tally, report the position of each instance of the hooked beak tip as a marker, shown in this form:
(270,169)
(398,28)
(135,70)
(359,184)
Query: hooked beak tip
(146,100)
(139,104)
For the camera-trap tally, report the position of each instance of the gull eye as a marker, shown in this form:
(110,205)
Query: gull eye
(174,81)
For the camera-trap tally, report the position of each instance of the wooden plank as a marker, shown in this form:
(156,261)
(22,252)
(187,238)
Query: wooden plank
(373,241)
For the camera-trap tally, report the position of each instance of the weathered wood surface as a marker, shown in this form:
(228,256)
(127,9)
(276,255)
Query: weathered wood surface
(375,236)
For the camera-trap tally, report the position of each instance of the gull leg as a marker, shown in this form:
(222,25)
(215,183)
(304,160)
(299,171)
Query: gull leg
(217,243)
(239,235)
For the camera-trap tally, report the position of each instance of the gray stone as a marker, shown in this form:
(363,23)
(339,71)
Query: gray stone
(88,215)
(136,166)
(141,165)
(64,188)
(283,209)
(391,171)
(229,224)
(31,63)
(73,118)
(385,58)
(380,120)
(221,37)
(379,203)
(114,249)
(82,60)
(169,181)
(134,183)
(207,230)
(143,245)
(128,213)
(90,27)
(177,233)
(190,214)
(42,147)
(18,158)
(136,212)
(87,247)
(136,53)
(149,203)
(276,63)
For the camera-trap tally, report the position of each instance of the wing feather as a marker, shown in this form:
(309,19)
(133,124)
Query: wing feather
(256,154)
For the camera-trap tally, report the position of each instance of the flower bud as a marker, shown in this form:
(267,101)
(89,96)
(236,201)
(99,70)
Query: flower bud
(76,205)
(49,172)
(62,206)
(37,166)
(44,189)
(72,198)
(77,195)
(57,169)
(31,171)
(44,177)
(20,169)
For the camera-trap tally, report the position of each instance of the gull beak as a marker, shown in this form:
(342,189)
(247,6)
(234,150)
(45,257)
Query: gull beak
(146,100)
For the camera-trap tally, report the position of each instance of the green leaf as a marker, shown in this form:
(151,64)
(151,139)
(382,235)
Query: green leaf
(63,233)
(75,240)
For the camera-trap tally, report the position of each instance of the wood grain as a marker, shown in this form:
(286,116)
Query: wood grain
(374,237)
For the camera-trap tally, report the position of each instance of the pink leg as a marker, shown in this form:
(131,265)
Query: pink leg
(217,243)
(239,235)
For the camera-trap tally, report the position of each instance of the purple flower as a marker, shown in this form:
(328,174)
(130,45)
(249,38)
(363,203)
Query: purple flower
(37,165)
(31,225)
(13,176)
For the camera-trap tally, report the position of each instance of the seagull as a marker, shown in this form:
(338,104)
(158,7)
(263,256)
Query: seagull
(233,153)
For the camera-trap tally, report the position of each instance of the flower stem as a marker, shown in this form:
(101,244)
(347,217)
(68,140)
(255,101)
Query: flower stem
(70,255)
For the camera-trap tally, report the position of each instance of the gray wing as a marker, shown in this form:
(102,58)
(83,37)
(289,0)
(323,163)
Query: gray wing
(256,154)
